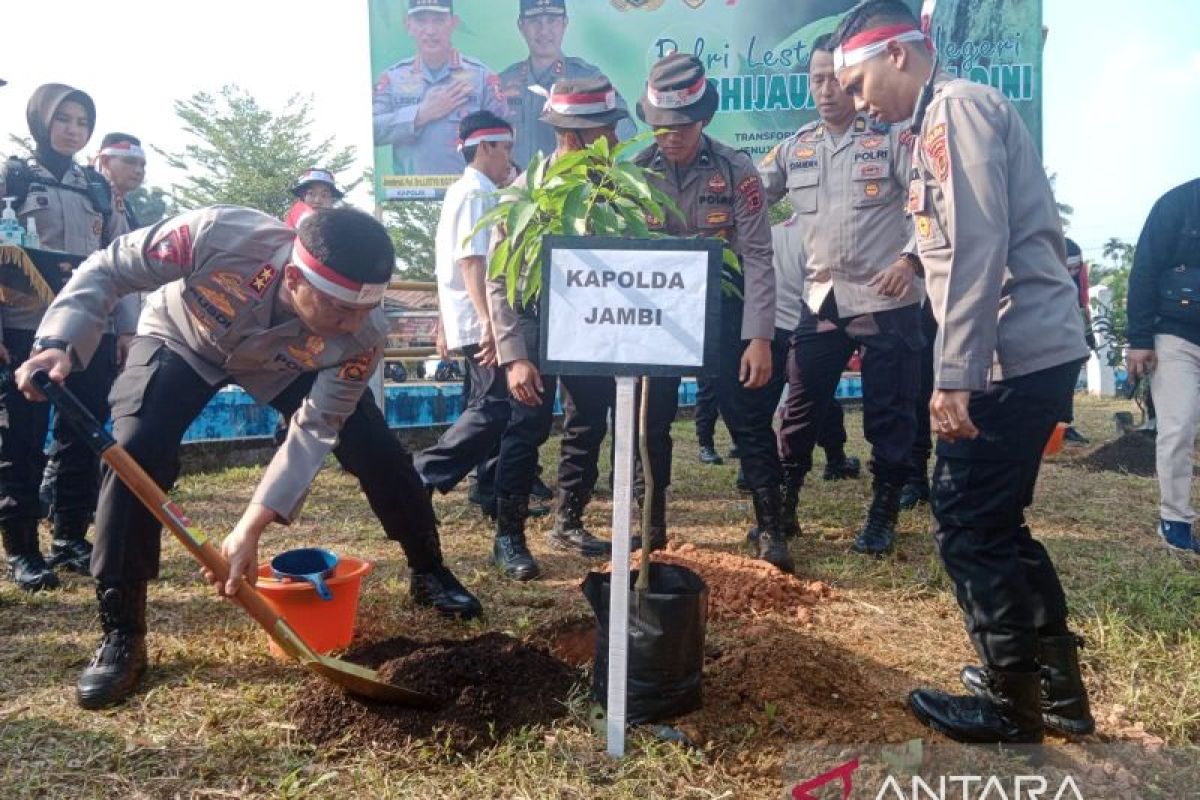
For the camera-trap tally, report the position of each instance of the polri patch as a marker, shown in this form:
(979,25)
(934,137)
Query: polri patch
(751,191)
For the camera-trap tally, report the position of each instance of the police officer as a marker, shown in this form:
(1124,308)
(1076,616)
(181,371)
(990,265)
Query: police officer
(721,196)
(542,24)
(846,177)
(295,318)
(122,162)
(420,101)
(580,112)
(1007,355)
(73,212)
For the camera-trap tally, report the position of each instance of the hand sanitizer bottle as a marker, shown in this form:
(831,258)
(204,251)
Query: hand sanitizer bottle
(32,240)
(10,229)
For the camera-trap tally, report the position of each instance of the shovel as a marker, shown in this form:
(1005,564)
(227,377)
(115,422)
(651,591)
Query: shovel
(355,679)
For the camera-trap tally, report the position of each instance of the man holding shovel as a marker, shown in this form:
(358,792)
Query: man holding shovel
(294,317)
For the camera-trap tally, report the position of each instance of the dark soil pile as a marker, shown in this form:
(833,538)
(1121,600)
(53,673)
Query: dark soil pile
(1132,453)
(488,687)
(742,586)
(776,681)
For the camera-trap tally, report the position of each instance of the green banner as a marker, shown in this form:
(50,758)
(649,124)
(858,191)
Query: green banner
(755,50)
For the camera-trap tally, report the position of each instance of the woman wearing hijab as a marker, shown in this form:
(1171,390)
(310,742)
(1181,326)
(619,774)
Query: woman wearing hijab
(72,209)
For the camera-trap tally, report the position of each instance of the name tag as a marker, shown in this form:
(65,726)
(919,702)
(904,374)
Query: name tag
(916,196)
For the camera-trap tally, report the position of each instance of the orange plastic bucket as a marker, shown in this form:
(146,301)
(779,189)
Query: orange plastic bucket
(1055,442)
(325,624)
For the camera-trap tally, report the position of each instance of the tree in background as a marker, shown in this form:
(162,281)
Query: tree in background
(1110,322)
(150,205)
(413,228)
(248,155)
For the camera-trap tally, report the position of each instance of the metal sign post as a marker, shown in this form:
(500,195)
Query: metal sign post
(618,600)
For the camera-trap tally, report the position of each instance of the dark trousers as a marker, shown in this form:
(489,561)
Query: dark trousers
(528,426)
(708,409)
(155,399)
(74,473)
(831,437)
(891,342)
(475,434)
(923,442)
(1004,579)
(748,413)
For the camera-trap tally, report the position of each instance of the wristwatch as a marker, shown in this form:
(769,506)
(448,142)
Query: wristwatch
(914,261)
(50,343)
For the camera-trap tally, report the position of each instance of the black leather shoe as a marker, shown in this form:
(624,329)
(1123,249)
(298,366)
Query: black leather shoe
(439,589)
(878,536)
(1011,715)
(709,455)
(914,493)
(26,566)
(848,468)
(120,660)
(569,533)
(70,548)
(1065,706)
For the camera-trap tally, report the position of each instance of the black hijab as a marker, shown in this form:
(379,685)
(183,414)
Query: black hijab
(40,112)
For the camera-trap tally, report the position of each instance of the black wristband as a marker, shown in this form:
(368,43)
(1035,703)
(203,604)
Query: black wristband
(914,261)
(50,343)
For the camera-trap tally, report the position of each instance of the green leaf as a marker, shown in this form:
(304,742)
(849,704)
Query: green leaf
(534,285)
(600,148)
(498,265)
(730,259)
(628,144)
(635,223)
(633,178)
(519,218)
(604,221)
(566,163)
(573,207)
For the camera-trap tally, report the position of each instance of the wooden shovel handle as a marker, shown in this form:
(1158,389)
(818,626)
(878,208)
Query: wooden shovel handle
(146,490)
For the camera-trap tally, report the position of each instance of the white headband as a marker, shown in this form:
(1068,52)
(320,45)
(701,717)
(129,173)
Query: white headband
(124,150)
(678,98)
(873,43)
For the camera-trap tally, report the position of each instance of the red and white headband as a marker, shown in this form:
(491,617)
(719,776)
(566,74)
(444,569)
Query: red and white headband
(124,150)
(868,44)
(333,283)
(677,98)
(581,103)
(475,138)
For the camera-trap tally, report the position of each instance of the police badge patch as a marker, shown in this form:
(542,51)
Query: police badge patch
(751,191)
(717,183)
(356,369)
(938,151)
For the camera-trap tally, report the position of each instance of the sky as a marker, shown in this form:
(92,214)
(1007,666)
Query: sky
(1121,90)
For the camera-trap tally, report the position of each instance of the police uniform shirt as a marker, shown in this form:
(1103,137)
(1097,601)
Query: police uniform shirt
(787,240)
(432,150)
(848,194)
(468,199)
(525,107)
(991,242)
(220,271)
(721,196)
(67,221)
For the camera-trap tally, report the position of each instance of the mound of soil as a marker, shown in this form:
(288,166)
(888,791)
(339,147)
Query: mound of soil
(1132,453)
(488,687)
(740,586)
(777,681)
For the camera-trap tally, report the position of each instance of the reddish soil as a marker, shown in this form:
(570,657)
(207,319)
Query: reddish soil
(1132,453)
(776,681)
(742,586)
(488,687)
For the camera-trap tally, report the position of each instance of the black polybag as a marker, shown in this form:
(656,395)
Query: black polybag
(666,642)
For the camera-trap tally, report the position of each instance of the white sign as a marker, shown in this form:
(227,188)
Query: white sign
(627,306)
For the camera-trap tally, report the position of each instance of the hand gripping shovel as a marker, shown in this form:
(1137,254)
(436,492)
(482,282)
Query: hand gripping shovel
(353,678)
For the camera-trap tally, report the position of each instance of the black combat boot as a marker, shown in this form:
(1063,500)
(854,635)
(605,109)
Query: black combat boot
(915,492)
(841,468)
(569,533)
(510,552)
(1065,706)
(70,548)
(120,660)
(437,588)
(25,563)
(770,545)
(789,523)
(1010,714)
(878,536)
(658,522)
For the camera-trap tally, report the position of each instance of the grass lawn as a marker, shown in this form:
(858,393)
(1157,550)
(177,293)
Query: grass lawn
(212,719)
